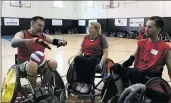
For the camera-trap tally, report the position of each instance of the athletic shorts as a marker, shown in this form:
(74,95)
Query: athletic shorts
(22,67)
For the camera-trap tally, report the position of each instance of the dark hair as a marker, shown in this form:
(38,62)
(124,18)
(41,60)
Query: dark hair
(35,18)
(159,22)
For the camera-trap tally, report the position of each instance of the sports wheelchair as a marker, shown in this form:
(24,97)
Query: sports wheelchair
(94,89)
(13,90)
(110,92)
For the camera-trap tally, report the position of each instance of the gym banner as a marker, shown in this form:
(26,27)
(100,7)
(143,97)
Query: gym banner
(120,22)
(11,21)
(136,22)
(56,22)
(81,22)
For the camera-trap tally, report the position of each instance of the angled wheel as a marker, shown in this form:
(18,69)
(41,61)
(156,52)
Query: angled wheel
(109,90)
(158,84)
(10,85)
(71,74)
(58,88)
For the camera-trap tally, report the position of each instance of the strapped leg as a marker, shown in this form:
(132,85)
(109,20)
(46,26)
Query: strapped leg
(119,85)
(30,69)
(49,67)
(118,71)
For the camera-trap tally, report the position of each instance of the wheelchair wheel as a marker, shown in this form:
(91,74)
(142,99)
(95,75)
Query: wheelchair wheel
(10,85)
(158,84)
(71,77)
(71,74)
(55,88)
(109,90)
(58,88)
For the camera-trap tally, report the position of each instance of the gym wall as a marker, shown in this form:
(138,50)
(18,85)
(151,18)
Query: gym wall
(24,23)
(79,10)
(126,9)
(108,25)
(41,8)
(74,10)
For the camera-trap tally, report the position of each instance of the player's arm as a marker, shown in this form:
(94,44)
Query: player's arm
(49,39)
(80,51)
(20,42)
(168,63)
(130,60)
(105,47)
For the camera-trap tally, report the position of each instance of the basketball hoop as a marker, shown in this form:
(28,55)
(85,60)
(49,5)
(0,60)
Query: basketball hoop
(111,4)
(20,5)
(106,6)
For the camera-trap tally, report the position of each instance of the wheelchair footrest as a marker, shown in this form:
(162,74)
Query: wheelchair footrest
(41,94)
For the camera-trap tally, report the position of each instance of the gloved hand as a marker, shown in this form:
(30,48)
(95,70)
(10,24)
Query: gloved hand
(62,43)
(41,42)
(129,92)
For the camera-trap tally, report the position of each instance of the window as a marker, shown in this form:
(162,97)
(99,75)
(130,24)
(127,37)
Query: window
(9,1)
(13,2)
(58,4)
(90,4)
(6,1)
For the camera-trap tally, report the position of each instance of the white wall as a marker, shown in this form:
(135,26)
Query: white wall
(136,9)
(47,10)
(82,12)
(167,8)
(79,10)
(131,9)
(9,11)
(41,8)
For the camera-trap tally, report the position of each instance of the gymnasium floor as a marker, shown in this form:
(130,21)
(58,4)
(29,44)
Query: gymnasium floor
(119,49)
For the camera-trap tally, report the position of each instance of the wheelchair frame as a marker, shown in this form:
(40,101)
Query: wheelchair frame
(56,83)
(94,87)
(142,98)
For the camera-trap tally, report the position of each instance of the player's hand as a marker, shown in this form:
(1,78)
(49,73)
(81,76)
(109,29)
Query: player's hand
(41,42)
(62,43)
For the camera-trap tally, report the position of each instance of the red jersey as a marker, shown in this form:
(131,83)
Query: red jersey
(25,53)
(92,48)
(151,56)
(140,36)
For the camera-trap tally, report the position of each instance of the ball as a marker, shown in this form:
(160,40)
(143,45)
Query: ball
(38,57)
